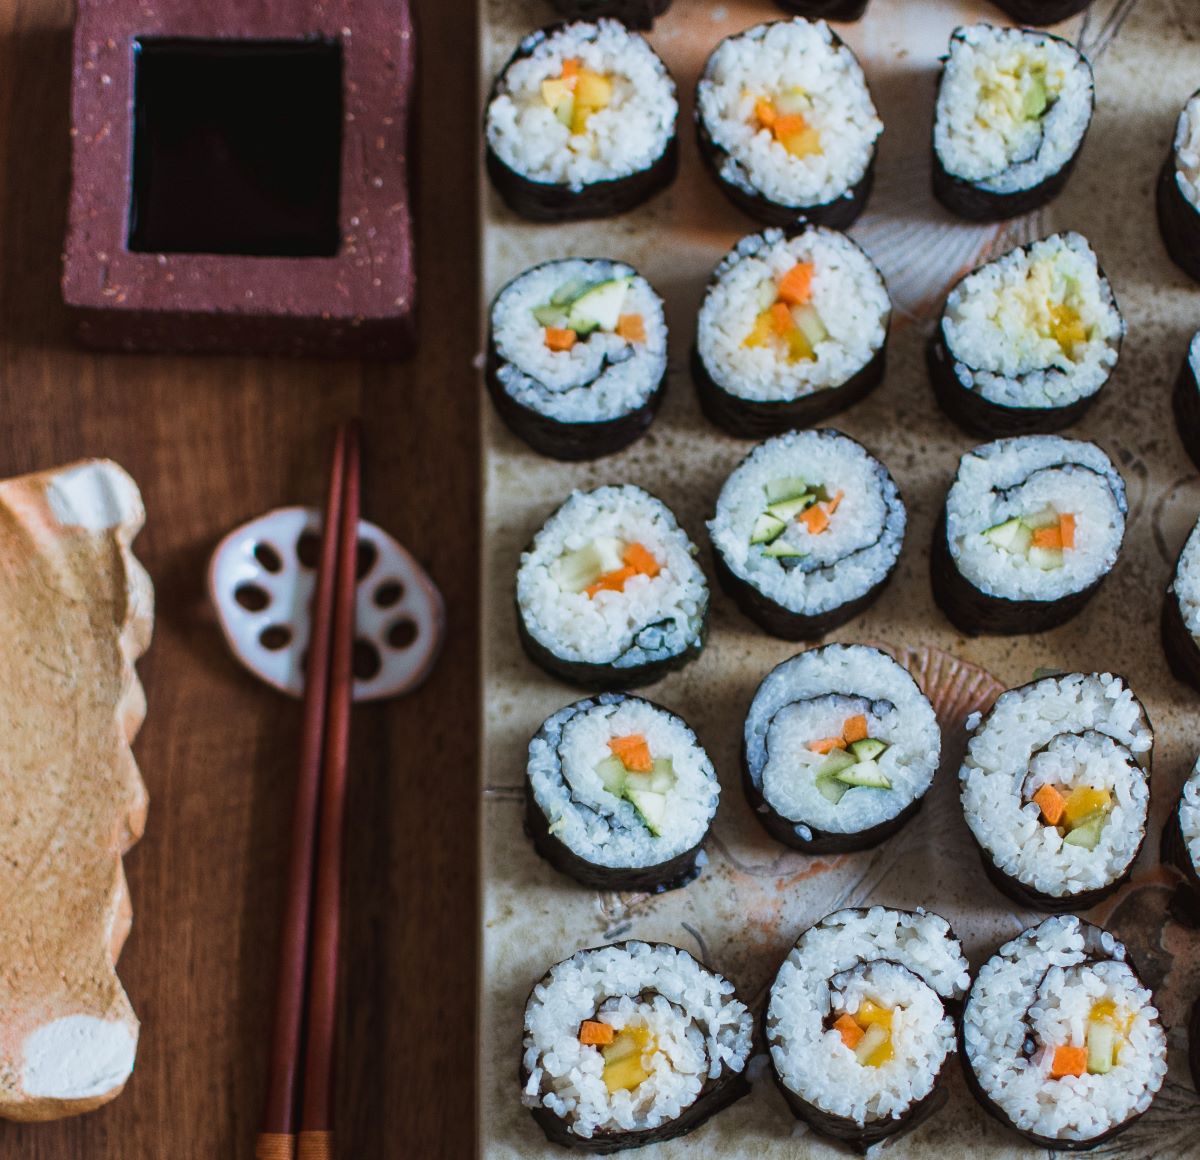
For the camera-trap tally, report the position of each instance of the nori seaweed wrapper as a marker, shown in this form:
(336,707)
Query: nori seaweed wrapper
(1194,1045)
(715,1095)
(1182,652)
(544,201)
(568,441)
(970,202)
(632,13)
(1178,221)
(975,613)
(1041,12)
(825,9)
(1173,852)
(668,875)
(1185,402)
(755,419)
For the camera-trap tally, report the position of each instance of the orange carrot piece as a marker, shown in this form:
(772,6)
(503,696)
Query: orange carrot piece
(764,110)
(1051,803)
(1066,530)
(595,1034)
(815,518)
(1068,1061)
(850,1031)
(781,318)
(631,327)
(1047,537)
(826,744)
(795,287)
(641,560)
(634,752)
(789,125)
(855,729)
(560,338)
(611,581)
(832,505)
(570,68)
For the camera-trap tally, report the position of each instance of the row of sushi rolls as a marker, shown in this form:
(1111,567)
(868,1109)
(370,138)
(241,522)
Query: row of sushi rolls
(636,1042)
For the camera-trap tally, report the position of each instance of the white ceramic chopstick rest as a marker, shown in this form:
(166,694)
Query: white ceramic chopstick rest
(261,581)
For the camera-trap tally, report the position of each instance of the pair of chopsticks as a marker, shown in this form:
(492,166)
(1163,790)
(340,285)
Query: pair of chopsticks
(306,996)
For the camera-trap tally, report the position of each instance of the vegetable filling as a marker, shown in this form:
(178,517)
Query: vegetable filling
(575,94)
(1078,814)
(1042,538)
(624,1052)
(793,505)
(1100,1052)
(604,565)
(851,760)
(868,1033)
(785,117)
(579,309)
(787,319)
(644,781)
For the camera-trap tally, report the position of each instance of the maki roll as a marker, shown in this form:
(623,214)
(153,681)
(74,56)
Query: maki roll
(825,9)
(577,357)
(1185,400)
(581,123)
(1181,842)
(632,13)
(631,1044)
(1041,11)
(839,748)
(619,794)
(1030,529)
(807,532)
(1026,341)
(609,594)
(860,1022)
(1056,788)
(786,124)
(791,331)
(1181,614)
(1179,192)
(1012,110)
(1060,1039)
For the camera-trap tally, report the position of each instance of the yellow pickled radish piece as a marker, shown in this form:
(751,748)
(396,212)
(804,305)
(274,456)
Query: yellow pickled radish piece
(871,1012)
(1067,327)
(1082,801)
(623,1069)
(764,330)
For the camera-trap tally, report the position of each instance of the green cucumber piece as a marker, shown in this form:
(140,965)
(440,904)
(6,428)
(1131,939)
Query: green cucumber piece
(1101,1042)
(832,789)
(1086,835)
(575,571)
(865,773)
(868,748)
(789,487)
(612,774)
(781,550)
(766,528)
(1012,535)
(569,291)
(1046,518)
(793,100)
(663,779)
(651,808)
(789,509)
(1048,559)
(835,761)
(1036,98)
(550,315)
(598,307)
(810,324)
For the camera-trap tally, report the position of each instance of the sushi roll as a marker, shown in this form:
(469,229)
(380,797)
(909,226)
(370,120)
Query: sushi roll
(619,794)
(1060,1039)
(787,126)
(1185,400)
(1179,192)
(825,9)
(860,1022)
(1013,106)
(581,123)
(1055,788)
(1030,529)
(1181,843)
(1181,614)
(1194,1045)
(1041,12)
(839,748)
(791,331)
(630,1044)
(631,13)
(1026,342)
(807,532)
(577,357)
(609,594)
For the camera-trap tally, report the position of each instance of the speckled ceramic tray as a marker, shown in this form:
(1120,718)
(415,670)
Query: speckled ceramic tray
(755,897)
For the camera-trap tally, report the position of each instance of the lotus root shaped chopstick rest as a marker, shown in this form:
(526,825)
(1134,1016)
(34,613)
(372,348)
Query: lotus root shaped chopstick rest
(262,579)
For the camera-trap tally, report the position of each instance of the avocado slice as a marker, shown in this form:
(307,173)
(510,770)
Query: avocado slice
(598,307)
(868,748)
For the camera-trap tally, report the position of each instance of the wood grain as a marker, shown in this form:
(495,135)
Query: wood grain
(213,442)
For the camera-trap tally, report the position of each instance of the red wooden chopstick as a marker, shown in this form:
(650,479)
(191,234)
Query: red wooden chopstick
(330,639)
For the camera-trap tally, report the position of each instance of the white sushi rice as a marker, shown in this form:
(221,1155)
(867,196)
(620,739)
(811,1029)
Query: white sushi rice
(1020,477)
(653,617)
(808,698)
(996,325)
(1186,582)
(813,1062)
(979,131)
(626,137)
(858,549)
(766,61)
(700,1032)
(598,825)
(1189,814)
(603,376)
(1044,983)
(1073,730)
(1187,151)
(847,292)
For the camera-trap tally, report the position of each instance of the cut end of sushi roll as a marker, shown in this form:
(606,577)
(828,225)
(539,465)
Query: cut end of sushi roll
(1026,341)
(839,748)
(632,13)
(1042,12)
(632,1044)
(1061,1040)
(1179,192)
(1013,108)
(620,794)
(859,1021)
(786,124)
(577,356)
(1181,613)
(807,532)
(1056,789)
(1030,529)
(581,123)
(792,329)
(609,594)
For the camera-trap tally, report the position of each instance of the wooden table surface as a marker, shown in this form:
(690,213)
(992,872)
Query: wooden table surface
(212,442)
